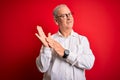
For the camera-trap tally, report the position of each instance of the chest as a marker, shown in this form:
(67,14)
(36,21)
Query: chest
(71,43)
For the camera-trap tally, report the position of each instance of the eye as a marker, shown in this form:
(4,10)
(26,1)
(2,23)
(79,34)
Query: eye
(63,15)
(69,14)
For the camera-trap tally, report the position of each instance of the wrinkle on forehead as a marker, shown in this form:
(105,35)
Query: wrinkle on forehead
(63,10)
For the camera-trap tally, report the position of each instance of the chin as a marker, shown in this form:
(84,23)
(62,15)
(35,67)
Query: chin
(69,27)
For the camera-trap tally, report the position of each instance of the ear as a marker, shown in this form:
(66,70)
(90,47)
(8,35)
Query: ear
(56,21)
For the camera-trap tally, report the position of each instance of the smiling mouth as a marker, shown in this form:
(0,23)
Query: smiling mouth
(69,21)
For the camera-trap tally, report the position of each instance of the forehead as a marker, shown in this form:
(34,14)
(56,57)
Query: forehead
(63,10)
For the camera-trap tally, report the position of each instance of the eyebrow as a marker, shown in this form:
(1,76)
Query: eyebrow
(64,13)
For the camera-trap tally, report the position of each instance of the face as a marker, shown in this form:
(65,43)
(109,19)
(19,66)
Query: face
(64,18)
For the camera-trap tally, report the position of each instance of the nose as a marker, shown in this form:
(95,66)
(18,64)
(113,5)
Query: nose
(68,17)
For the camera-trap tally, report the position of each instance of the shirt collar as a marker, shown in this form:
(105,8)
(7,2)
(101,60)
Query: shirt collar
(72,33)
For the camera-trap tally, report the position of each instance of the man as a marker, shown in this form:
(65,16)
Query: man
(64,55)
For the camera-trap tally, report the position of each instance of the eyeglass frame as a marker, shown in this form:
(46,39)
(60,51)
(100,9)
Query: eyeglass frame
(65,15)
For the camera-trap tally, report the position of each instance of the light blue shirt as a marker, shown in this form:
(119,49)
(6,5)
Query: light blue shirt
(80,58)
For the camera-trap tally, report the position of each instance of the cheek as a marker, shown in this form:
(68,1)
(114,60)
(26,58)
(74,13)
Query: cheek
(72,19)
(62,22)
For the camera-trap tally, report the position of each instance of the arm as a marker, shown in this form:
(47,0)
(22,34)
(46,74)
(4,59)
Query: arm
(84,58)
(43,60)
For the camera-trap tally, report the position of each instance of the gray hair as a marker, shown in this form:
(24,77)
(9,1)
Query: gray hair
(57,8)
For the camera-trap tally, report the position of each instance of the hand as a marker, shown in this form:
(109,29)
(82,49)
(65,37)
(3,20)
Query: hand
(41,35)
(55,45)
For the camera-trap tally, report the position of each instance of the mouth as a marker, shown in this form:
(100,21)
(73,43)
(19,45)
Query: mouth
(69,21)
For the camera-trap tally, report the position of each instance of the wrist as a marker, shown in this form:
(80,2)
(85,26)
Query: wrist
(66,53)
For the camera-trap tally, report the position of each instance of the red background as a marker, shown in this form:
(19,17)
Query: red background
(99,20)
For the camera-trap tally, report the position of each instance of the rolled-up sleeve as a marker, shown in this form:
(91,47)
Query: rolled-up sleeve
(44,58)
(84,57)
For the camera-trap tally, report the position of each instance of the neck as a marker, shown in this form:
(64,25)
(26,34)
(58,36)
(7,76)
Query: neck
(65,33)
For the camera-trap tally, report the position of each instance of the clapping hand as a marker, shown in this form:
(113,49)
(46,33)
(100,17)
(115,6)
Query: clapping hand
(49,42)
(41,35)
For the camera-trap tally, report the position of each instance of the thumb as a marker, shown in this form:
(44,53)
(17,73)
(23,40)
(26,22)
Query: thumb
(49,34)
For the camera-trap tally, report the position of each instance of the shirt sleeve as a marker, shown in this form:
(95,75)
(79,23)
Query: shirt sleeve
(84,58)
(44,58)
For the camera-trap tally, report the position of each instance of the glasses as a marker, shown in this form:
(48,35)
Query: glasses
(65,15)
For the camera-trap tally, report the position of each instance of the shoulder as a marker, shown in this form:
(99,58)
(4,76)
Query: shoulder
(82,38)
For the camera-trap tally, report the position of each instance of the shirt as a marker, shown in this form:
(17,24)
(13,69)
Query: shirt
(79,59)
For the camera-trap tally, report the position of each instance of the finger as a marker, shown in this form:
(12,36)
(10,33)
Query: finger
(48,40)
(49,34)
(37,36)
(40,31)
(51,45)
